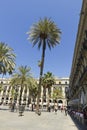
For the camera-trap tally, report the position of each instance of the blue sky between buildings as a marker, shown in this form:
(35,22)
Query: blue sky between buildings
(16,18)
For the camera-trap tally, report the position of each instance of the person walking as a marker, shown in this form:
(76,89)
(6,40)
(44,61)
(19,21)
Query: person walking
(66,111)
(49,108)
(55,108)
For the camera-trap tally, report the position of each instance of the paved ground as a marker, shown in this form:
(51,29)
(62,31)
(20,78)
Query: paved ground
(31,121)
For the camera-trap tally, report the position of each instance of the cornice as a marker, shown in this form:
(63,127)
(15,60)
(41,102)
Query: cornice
(80,35)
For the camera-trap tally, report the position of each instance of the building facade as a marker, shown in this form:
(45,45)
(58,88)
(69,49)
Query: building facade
(78,77)
(6,93)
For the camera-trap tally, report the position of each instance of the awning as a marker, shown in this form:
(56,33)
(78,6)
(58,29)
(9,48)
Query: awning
(73,102)
(85,106)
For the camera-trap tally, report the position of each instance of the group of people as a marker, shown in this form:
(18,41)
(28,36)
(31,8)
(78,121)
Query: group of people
(55,108)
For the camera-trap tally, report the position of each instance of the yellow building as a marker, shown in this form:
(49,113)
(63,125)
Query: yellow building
(78,76)
(6,96)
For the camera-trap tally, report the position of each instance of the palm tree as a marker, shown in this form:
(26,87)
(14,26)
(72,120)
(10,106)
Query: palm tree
(47,81)
(7,59)
(44,33)
(21,78)
(33,90)
(1,87)
(57,94)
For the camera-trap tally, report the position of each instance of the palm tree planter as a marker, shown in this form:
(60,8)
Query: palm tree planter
(44,33)
(21,110)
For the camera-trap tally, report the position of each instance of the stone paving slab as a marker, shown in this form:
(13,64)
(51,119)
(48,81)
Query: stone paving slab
(31,121)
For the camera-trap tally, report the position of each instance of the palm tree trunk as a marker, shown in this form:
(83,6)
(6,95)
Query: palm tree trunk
(20,94)
(41,73)
(48,98)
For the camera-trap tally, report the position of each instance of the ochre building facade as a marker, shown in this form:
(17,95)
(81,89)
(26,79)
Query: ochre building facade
(6,93)
(78,77)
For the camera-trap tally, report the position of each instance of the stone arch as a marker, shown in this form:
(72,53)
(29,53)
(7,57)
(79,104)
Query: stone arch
(50,100)
(60,104)
(60,101)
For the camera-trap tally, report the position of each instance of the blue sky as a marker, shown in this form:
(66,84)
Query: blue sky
(17,17)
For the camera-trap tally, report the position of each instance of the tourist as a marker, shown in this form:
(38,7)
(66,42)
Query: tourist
(55,108)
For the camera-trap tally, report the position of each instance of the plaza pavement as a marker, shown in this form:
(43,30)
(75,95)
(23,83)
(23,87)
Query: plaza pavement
(31,121)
